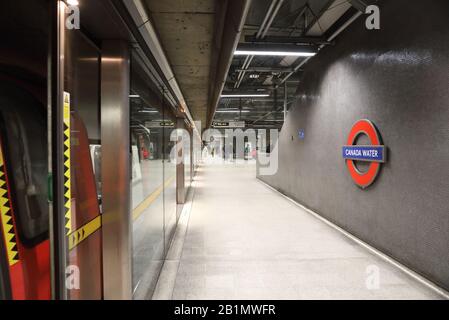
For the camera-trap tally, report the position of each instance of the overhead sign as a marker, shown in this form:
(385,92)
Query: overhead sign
(159,124)
(375,153)
(229,124)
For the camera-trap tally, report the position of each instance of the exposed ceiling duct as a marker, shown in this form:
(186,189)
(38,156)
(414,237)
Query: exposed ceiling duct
(297,26)
(261,33)
(324,23)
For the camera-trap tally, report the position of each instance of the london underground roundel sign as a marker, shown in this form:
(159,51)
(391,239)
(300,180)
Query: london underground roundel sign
(374,153)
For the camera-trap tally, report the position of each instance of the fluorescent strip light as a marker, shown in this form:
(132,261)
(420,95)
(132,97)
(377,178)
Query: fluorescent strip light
(273,53)
(148,111)
(134,96)
(245,95)
(232,111)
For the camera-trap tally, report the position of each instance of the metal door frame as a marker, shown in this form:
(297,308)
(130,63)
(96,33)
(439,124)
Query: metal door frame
(58,242)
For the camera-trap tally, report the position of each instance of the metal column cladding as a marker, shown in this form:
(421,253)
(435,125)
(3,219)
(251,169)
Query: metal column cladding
(115,170)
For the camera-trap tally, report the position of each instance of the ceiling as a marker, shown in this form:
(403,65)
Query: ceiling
(186,29)
(285,22)
(198,38)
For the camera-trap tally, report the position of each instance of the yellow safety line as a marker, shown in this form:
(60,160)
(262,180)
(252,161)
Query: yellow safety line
(151,198)
(78,236)
(67,180)
(6,216)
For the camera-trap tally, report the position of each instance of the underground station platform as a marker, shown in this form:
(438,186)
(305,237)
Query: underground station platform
(224,158)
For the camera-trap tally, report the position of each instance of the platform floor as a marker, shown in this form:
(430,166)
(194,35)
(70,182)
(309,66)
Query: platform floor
(246,241)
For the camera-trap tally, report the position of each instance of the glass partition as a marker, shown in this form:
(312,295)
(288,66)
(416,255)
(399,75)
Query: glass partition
(153,184)
(170,199)
(187,141)
(81,139)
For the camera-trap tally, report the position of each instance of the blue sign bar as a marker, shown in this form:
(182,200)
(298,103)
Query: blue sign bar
(364,153)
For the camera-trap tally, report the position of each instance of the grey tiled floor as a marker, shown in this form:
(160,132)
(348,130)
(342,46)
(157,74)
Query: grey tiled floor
(245,241)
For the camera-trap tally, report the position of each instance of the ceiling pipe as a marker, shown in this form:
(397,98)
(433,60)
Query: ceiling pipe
(270,21)
(265,19)
(280,109)
(332,37)
(263,30)
(248,59)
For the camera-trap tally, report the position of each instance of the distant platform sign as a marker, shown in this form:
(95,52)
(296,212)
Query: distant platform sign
(229,124)
(159,124)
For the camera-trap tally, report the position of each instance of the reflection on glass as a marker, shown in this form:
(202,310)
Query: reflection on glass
(81,117)
(170,185)
(153,181)
(147,195)
(187,157)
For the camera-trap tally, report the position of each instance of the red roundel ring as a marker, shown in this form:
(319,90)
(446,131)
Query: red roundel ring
(363,179)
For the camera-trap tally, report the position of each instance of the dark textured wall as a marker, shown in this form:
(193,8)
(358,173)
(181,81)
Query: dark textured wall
(398,77)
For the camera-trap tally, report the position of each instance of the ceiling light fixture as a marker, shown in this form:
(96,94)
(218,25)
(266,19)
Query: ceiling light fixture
(148,111)
(232,111)
(266,49)
(134,96)
(254,95)
(273,53)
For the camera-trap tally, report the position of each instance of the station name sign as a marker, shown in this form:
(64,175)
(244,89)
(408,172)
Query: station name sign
(374,153)
(364,153)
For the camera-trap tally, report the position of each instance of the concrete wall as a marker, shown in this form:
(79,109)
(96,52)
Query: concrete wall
(398,77)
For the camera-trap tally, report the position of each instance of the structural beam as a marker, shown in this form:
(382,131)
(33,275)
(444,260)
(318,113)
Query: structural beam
(288,40)
(267,70)
(229,35)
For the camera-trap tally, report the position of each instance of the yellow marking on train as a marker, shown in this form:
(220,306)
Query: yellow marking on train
(67,173)
(151,198)
(6,216)
(78,236)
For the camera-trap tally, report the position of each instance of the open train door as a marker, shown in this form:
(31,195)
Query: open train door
(24,209)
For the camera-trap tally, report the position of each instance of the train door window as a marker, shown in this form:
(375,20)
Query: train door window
(24,139)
